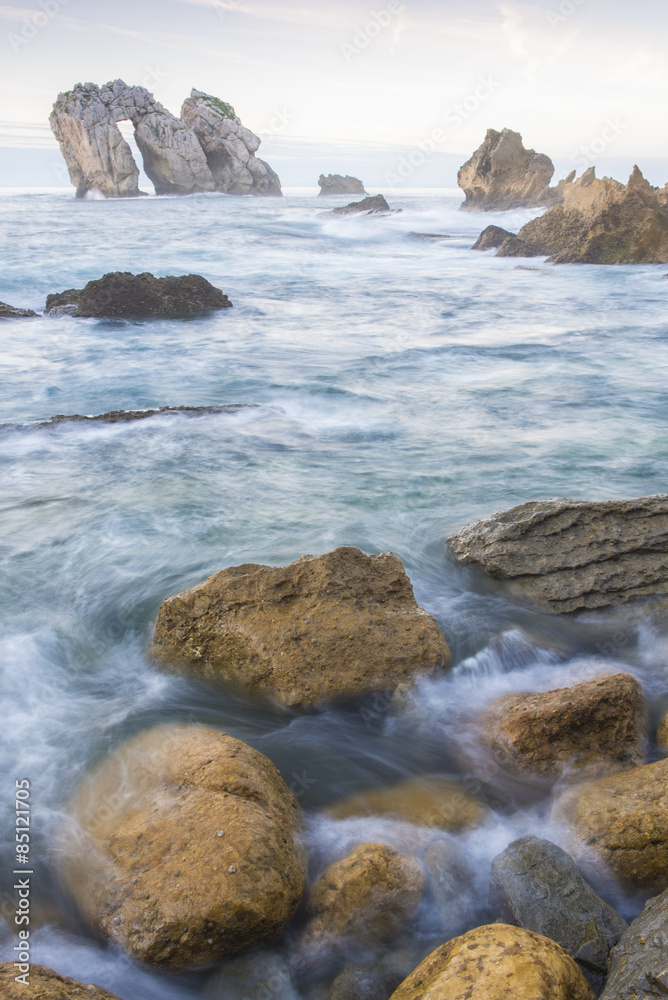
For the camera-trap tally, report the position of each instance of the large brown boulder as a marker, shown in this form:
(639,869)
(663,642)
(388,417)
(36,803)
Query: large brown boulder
(639,963)
(431,801)
(603,222)
(362,901)
(619,826)
(571,555)
(122,295)
(324,628)
(184,847)
(598,723)
(496,962)
(502,174)
(45,984)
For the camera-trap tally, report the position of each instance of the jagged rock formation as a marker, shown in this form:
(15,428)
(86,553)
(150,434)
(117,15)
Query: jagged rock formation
(638,967)
(375,205)
(85,123)
(502,174)
(122,295)
(568,555)
(337,184)
(229,147)
(603,222)
(11,312)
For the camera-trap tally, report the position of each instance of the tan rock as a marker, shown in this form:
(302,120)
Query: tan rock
(570,555)
(364,900)
(502,174)
(598,723)
(619,826)
(496,962)
(662,733)
(431,801)
(183,847)
(320,630)
(603,222)
(45,984)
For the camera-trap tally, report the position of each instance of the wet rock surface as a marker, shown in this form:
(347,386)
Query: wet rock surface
(11,312)
(639,963)
(375,205)
(431,801)
(492,238)
(502,174)
(45,984)
(513,246)
(122,295)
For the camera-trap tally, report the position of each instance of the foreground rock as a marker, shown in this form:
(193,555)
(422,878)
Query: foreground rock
(601,723)
(207,150)
(11,312)
(229,147)
(183,847)
(639,963)
(496,962)
(363,901)
(122,295)
(375,205)
(536,885)
(603,222)
(375,980)
(492,238)
(323,629)
(619,827)
(433,802)
(45,984)
(337,184)
(570,555)
(502,174)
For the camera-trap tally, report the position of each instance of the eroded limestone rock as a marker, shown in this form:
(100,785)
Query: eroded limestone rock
(502,174)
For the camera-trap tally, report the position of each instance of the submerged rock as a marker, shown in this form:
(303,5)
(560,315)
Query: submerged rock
(432,801)
(619,826)
(11,312)
(325,628)
(183,848)
(639,963)
(337,184)
(45,984)
(600,723)
(122,295)
(229,147)
(603,222)
(127,416)
(450,882)
(371,980)
(502,174)
(375,205)
(363,901)
(536,885)
(253,976)
(570,555)
(496,962)
(492,238)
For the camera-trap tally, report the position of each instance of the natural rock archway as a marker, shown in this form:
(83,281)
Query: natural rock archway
(209,150)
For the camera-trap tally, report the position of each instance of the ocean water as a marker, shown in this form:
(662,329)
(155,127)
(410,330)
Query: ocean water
(401,387)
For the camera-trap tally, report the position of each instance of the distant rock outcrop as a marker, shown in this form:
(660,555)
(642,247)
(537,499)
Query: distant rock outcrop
(208,151)
(11,312)
(337,184)
(122,295)
(375,205)
(502,174)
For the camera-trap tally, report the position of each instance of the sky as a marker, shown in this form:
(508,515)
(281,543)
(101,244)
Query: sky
(401,91)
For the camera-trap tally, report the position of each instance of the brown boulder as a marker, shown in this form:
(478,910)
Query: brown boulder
(502,174)
(496,962)
(431,801)
(364,900)
(570,555)
(323,629)
(45,984)
(619,826)
(603,222)
(183,847)
(597,723)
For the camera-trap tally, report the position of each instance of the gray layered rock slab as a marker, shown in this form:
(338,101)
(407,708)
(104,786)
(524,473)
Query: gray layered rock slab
(536,885)
(323,629)
(127,416)
(502,174)
(492,238)
(639,963)
(229,147)
(11,312)
(375,205)
(571,555)
(122,295)
(338,184)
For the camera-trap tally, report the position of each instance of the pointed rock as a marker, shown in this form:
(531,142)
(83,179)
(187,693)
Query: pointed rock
(502,174)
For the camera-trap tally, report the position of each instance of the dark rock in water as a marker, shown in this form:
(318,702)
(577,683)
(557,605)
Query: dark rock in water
(337,184)
(428,236)
(125,416)
(122,295)
(45,984)
(371,980)
(569,555)
(263,975)
(10,312)
(515,247)
(639,963)
(492,238)
(536,885)
(502,174)
(372,206)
